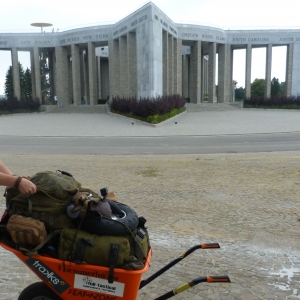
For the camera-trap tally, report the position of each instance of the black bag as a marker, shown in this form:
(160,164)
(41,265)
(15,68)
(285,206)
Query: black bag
(123,220)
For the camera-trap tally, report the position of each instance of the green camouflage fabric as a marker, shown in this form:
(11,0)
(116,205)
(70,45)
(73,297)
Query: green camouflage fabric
(50,202)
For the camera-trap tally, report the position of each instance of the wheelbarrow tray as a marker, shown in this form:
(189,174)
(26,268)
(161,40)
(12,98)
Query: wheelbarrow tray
(70,280)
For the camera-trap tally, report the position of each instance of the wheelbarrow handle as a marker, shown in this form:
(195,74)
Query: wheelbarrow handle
(176,260)
(210,246)
(185,286)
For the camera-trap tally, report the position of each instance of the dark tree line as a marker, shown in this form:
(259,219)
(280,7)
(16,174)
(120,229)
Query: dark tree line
(258,89)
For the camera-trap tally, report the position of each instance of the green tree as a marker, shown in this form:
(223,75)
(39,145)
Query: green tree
(282,88)
(8,85)
(239,93)
(258,87)
(275,87)
(22,79)
(25,82)
(26,88)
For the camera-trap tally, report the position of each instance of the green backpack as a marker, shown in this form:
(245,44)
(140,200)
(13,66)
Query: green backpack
(49,203)
(128,251)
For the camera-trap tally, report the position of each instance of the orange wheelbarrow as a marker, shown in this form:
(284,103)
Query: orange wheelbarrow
(67,280)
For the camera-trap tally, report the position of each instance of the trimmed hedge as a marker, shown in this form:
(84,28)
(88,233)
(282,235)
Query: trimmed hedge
(13,105)
(277,102)
(151,110)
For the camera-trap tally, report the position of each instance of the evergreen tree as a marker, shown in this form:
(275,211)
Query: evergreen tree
(239,93)
(25,82)
(22,79)
(8,85)
(26,88)
(275,87)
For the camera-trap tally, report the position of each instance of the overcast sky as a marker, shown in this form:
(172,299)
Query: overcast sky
(17,15)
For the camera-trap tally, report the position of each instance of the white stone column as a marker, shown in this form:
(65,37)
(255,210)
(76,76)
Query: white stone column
(268,71)
(62,74)
(92,75)
(171,64)
(132,64)
(248,71)
(177,67)
(123,59)
(166,73)
(76,74)
(149,59)
(195,72)
(224,82)
(70,79)
(114,68)
(105,78)
(99,86)
(33,86)
(185,76)
(82,75)
(204,77)
(289,67)
(212,72)
(111,68)
(117,67)
(37,71)
(231,74)
(16,73)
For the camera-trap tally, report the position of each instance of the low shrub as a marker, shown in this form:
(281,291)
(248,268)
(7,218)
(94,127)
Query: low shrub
(160,118)
(155,119)
(13,105)
(279,102)
(152,110)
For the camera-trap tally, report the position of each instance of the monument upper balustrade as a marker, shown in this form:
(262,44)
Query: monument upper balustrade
(99,34)
(149,15)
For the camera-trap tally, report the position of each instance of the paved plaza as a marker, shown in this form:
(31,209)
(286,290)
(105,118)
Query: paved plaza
(245,121)
(249,203)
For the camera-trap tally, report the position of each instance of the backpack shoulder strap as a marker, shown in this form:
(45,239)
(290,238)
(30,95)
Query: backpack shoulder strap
(112,261)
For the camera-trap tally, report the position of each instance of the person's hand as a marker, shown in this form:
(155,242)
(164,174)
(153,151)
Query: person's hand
(27,187)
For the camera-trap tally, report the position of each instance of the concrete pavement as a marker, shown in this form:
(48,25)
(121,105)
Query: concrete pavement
(245,121)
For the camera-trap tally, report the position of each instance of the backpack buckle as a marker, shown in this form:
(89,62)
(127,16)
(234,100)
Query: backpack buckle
(140,235)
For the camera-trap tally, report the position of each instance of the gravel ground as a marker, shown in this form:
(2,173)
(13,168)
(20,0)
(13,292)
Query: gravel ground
(249,203)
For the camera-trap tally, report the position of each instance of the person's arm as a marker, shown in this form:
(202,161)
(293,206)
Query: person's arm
(24,185)
(4,169)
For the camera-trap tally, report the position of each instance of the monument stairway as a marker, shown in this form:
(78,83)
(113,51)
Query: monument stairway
(103,109)
(73,109)
(205,106)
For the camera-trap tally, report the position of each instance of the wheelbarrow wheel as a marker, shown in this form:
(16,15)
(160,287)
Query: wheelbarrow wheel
(38,291)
